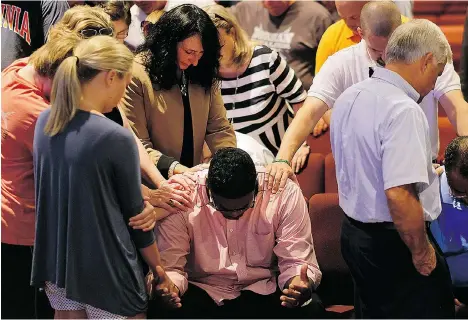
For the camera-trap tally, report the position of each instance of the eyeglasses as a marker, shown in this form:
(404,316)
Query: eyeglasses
(232,212)
(91,32)
(214,16)
(235,213)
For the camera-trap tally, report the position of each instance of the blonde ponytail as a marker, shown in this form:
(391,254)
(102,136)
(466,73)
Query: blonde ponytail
(91,56)
(65,96)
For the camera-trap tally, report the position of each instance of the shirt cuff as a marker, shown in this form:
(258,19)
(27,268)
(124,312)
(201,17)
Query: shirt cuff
(179,281)
(327,101)
(142,239)
(446,90)
(307,302)
(296,271)
(172,168)
(406,180)
(164,163)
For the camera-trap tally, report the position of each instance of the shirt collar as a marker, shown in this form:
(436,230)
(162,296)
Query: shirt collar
(445,189)
(348,33)
(365,53)
(395,79)
(445,194)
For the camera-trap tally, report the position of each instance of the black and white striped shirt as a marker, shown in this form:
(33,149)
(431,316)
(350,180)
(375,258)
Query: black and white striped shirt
(260,105)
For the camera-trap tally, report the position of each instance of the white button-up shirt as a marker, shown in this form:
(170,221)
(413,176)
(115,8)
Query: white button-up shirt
(260,155)
(351,65)
(135,34)
(380,139)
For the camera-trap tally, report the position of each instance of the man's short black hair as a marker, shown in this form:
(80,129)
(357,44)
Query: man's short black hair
(456,156)
(232,173)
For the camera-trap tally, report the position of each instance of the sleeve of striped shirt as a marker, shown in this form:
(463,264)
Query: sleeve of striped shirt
(287,85)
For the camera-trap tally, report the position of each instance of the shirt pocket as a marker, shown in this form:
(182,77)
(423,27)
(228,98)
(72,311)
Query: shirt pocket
(259,249)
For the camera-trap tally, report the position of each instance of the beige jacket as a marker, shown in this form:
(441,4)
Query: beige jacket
(157,117)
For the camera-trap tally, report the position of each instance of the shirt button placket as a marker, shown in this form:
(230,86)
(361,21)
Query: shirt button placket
(232,239)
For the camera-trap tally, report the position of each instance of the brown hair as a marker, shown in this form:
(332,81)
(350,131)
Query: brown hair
(243,47)
(117,10)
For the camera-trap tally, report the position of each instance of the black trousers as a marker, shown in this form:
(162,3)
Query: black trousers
(197,304)
(461,293)
(19,299)
(386,282)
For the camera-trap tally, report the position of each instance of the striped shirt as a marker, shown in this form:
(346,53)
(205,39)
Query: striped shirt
(257,102)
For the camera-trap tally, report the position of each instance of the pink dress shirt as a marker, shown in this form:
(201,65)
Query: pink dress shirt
(224,256)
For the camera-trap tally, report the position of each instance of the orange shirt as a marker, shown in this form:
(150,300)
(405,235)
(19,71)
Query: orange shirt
(338,36)
(22,102)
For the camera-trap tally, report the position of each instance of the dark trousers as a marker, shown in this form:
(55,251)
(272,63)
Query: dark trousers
(386,282)
(461,293)
(19,298)
(196,303)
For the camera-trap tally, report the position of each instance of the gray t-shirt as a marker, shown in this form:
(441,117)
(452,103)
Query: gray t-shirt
(295,34)
(87,181)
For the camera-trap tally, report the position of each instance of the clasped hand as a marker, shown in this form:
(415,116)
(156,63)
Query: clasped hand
(163,288)
(298,291)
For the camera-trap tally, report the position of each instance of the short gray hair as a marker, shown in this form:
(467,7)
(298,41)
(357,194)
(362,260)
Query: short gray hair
(412,40)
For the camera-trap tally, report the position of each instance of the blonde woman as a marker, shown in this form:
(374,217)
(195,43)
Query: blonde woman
(26,89)
(258,87)
(87,190)
(26,85)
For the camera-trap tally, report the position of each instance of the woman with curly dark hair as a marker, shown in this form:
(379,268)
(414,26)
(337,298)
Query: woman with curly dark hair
(177,105)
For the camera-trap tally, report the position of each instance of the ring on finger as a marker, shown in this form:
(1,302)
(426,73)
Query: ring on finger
(171,203)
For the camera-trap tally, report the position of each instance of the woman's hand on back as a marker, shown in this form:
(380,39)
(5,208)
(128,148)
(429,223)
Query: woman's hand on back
(171,197)
(146,220)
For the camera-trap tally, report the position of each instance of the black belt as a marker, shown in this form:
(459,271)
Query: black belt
(376,225)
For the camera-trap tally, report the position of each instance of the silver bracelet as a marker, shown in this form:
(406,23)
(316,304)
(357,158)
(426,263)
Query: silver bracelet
(171,169)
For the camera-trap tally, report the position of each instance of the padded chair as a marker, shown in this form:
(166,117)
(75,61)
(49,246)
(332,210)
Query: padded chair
(431,17)
(446,134)
(336,288)
(455,18)
(450,16)
(454,34)
(320,144)
(311,178)
(331,185)
(455,7)
(441,111)
(428,7)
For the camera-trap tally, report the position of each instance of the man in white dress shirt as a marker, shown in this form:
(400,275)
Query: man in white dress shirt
(139,11)
(354,64)
(387,186)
